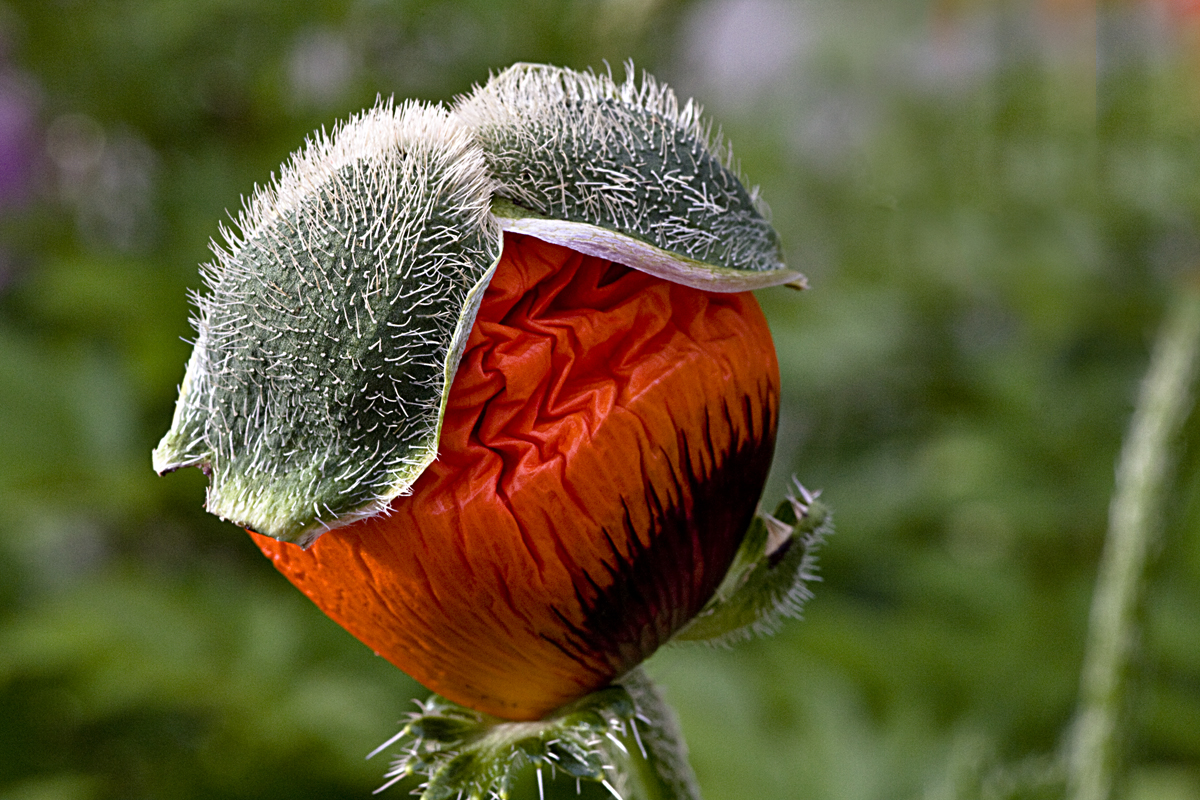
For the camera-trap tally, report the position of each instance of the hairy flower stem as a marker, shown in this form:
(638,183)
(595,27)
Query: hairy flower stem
(1134,518)
(658,767)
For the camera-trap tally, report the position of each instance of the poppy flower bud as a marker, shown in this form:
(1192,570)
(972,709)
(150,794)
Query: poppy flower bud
(488,385)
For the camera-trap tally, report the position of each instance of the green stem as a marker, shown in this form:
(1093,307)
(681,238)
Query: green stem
(658,767)
(1134,518)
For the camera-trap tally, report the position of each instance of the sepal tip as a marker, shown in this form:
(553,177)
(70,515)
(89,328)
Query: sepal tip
(768,580)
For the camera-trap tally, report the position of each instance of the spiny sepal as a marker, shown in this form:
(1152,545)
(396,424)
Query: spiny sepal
(768,580)
(622,171)
(463,754)
(334,322)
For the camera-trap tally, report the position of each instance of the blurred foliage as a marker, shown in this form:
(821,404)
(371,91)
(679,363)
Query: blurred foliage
(991,223)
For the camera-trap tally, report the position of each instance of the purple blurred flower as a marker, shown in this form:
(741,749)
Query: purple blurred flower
(19,150)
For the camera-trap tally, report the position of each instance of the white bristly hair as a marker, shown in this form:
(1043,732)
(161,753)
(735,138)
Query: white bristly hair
(378,140)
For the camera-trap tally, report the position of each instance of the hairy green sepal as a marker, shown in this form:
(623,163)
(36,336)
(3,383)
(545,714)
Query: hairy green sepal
(333,325)
(623,172)
(768,580)
(623,736)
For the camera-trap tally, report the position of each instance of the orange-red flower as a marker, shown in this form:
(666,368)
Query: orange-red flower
(606,439)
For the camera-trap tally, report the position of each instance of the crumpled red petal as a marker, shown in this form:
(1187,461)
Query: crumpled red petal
(605,442)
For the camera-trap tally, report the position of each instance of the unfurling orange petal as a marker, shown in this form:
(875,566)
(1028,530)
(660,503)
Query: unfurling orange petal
(605,443)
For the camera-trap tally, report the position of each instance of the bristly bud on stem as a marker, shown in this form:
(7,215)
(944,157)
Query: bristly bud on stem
(584,250)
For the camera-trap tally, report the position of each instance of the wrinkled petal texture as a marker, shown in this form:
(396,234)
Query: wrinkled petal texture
(605,443)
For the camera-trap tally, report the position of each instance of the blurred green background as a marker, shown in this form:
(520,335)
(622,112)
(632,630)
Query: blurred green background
(993,202)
